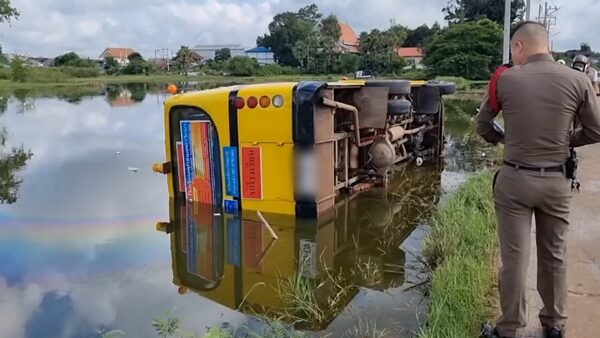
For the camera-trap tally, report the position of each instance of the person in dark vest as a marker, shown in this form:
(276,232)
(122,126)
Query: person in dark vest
(539,100)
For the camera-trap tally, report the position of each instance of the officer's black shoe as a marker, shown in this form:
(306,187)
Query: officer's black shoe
(554,333)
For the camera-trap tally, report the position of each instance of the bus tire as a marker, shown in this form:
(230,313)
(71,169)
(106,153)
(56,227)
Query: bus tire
(445,88)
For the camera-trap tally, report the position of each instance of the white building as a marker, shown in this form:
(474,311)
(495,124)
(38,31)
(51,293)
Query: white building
(207,52)
(263,55)
(413,55)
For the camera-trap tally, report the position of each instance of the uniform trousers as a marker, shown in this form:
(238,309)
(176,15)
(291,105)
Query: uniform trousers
(521,195)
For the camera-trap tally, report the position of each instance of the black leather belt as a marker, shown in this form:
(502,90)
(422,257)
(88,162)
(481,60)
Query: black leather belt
(557,169)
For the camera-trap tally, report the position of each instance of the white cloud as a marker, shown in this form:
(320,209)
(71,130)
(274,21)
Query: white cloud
(51,27)
(16,305)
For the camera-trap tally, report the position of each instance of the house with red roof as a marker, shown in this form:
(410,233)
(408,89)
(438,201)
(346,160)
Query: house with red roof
(413,55)
(118,53)
(348,40)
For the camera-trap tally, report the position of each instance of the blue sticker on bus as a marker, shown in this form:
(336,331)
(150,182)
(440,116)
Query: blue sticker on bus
(232,182)
(234,241)
(231,207)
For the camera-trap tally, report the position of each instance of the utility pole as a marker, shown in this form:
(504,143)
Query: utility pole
(505,54)
(528,11)
(166,57)
(547,17)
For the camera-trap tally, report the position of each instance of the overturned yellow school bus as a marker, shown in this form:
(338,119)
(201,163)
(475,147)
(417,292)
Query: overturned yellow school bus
(291,148)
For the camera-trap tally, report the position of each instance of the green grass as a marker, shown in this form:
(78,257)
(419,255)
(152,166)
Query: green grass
(311,304)
(461,249)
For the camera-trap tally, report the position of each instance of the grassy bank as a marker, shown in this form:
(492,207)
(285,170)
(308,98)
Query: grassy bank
(461,248)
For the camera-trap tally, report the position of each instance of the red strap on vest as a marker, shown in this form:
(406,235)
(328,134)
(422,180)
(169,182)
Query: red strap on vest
(493,90)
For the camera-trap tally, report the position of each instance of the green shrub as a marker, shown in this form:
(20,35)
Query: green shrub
(415,74)
(81,72)
(136,67)
(46,75)
(242,66)
(270,70)
(18,70)
(5,73)
(276,70)
(461,83)
(73,60)
(287,70)
(348,63)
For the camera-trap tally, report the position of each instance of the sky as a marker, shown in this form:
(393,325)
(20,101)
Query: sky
(52,27)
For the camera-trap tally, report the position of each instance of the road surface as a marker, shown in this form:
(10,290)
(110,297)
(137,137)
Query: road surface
(583,254)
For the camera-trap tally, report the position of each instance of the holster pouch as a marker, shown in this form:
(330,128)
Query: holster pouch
(494,180)
(571,165)
(571,170)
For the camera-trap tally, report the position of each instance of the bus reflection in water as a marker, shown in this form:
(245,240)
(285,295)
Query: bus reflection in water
(234,260)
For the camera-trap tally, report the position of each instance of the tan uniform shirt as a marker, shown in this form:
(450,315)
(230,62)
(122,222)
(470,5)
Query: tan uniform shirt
(592,74)
(540,101)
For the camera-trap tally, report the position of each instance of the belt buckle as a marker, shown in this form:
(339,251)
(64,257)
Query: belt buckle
(542,171)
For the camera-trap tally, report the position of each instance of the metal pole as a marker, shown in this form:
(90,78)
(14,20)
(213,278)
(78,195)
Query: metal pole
(505,54)
(546,15)
(528,11)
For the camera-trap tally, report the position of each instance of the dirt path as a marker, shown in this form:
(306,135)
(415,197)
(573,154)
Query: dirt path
(583,257)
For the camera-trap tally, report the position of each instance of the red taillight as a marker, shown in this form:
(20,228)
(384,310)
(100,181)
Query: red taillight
(239,103)
(252,102)
(265,101)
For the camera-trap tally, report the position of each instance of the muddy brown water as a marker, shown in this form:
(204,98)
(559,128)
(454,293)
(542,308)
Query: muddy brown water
(80,254)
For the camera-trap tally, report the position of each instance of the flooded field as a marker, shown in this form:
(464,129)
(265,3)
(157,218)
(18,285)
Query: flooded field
(81,252)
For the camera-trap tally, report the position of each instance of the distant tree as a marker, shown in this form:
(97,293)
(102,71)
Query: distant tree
(137,65)
(222,55)
(471,49)
(469,10)
(135,57)
(18,71)
(68,59)
(111,66)
(349,63)
(8,12)
(318,53)
(310,13)
(585,47)
(421,36)
(184,59)
(242,66)
(71,59)
(3,58)
(378,50)
(286,30)
(330,33)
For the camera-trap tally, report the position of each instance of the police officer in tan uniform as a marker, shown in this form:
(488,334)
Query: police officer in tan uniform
(539,100)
